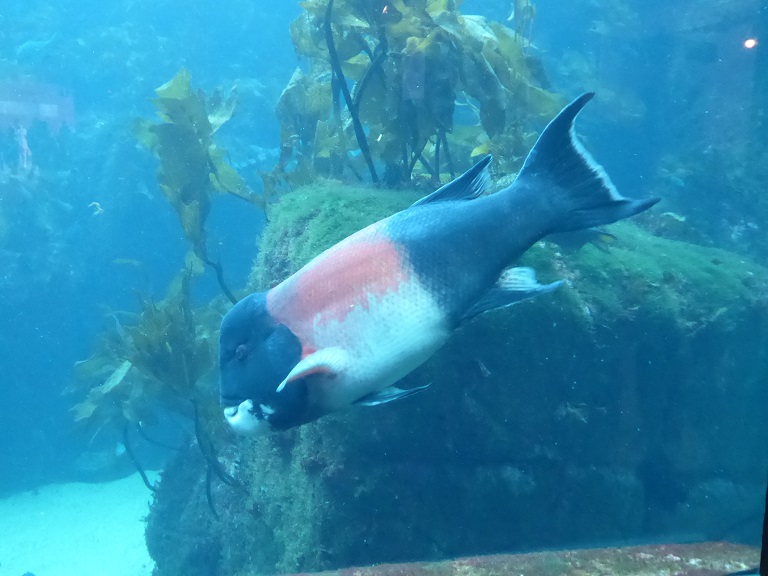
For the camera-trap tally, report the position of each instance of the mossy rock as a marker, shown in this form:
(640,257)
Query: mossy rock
(543,418)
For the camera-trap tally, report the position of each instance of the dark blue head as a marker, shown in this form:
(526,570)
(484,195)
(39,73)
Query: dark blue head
(255,354)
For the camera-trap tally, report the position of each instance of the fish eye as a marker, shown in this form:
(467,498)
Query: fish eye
(241,352)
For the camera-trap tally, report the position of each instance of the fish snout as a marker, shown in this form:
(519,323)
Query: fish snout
(246,420)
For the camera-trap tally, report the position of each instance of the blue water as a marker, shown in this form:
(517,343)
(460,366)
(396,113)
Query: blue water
(57,259)
(674,80)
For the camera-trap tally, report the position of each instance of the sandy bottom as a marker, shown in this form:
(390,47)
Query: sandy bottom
(76,529)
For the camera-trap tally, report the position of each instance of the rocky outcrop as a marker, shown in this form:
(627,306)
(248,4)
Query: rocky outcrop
(628,404)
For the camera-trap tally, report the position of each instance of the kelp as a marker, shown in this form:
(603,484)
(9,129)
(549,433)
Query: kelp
(151,367)
(339,81)
(406,65)
(192,165)
(522,17)
(155,363)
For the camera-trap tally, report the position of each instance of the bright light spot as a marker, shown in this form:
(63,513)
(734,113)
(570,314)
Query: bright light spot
(750,43)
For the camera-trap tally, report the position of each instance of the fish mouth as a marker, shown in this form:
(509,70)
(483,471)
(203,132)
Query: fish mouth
(245,419)
(230,401)
(237,411)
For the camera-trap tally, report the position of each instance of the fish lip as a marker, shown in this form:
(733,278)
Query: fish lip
(230,401)
(246,420)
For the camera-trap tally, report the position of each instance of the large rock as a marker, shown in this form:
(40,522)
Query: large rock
(601,412)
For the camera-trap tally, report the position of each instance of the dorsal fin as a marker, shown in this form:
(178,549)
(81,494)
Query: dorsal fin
(469,185)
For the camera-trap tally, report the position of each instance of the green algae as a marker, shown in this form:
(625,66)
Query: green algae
(676,279)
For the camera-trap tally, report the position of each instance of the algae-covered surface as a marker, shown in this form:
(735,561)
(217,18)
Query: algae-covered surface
(625,405)
(685,281)
(705,559)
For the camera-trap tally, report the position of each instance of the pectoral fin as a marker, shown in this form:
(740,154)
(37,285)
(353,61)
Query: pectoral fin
(387,395)
(325,361)
(514,285)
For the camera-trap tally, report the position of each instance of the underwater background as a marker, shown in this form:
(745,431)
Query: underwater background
(628,408)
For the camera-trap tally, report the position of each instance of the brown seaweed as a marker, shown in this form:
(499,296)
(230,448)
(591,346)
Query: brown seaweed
(408,64)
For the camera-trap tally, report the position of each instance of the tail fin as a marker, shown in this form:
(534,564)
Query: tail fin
(579,191)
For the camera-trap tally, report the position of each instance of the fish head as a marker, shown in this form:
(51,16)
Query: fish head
(256,352)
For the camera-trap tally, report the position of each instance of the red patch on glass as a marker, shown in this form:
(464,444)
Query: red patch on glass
(23,102)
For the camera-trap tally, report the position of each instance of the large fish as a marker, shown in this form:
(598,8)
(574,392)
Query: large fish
(355,320)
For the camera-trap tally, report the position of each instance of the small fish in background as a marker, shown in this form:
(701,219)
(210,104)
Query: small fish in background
(127,262)
(97,209)
(358,318)
(33,49)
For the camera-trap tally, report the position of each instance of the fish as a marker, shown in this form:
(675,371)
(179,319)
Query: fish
(346,328)
(33,48)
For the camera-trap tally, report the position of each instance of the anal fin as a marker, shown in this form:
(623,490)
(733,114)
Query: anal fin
(388,394)
(575,240)
(514,285)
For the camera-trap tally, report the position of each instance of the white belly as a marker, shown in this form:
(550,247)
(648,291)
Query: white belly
(386,337)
